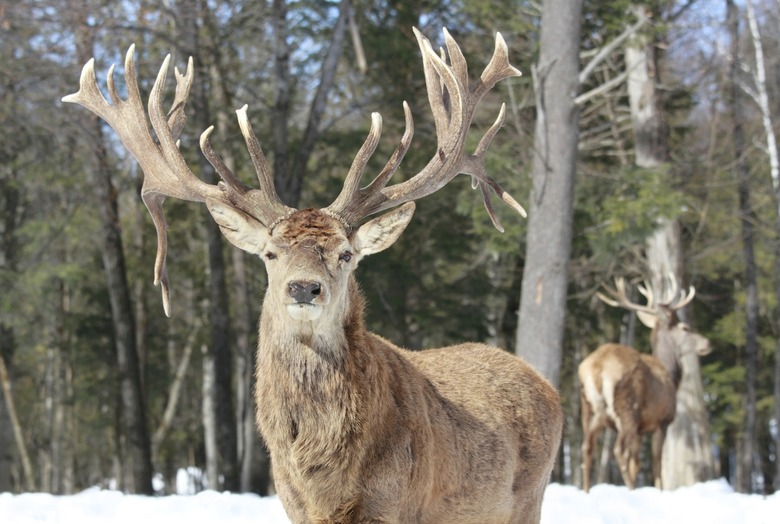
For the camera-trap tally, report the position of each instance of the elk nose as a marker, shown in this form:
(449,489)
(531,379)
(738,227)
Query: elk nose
(303,292)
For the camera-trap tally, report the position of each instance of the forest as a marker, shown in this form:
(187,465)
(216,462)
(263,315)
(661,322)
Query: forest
(666,163)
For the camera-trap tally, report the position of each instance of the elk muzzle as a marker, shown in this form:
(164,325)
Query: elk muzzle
(304,293)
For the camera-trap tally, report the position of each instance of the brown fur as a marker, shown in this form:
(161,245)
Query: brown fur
(360,430)
(633,394)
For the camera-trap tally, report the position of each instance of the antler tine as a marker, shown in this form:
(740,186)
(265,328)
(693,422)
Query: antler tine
(669,294)
(453,106)
(621,298)
(264,204)
(351,188)
(219,166)
(647,292)
(685,299)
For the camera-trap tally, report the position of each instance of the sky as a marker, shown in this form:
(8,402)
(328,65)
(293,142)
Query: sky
(711,502)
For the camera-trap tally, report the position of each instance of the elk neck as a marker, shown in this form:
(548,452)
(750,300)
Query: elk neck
(666,351)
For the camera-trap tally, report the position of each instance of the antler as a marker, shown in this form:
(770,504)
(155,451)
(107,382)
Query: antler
(166,173)
(673,299)
(619,298)
(453,103)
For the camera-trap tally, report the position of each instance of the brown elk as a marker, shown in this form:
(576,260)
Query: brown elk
(633,393)
(360,430)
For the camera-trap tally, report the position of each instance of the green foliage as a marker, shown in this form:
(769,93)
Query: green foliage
(629,208)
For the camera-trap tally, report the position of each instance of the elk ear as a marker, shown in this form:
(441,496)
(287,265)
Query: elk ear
(241,230)
(380,233)
(647,319)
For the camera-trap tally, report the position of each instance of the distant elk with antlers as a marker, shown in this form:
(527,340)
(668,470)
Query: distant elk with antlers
(633,393)
(360,430)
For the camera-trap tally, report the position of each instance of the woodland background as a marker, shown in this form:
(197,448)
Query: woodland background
(100,388)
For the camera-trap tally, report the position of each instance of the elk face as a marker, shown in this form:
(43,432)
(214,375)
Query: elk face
(688,341)
(310,256)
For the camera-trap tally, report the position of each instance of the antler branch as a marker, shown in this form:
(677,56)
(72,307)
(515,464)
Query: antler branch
(165,172)
(453,104)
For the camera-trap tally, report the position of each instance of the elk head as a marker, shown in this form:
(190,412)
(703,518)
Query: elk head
(671,338)
(308,253)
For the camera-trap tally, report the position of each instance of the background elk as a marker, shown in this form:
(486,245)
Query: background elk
(634,393)
(358,429)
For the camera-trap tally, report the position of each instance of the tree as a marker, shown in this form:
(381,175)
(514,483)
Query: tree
(745,465)
(138,458)
(686,456)
(760,95)
(544,288)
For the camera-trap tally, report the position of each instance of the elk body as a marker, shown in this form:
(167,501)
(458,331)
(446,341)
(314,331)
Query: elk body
(633,393)
(360,430)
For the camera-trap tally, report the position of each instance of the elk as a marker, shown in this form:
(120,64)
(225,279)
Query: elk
(358,429)
(634,393)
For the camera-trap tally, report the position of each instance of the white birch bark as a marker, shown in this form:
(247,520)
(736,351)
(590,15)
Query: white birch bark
(761,97)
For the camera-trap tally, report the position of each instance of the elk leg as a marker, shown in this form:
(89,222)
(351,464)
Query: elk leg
(659,435)
(591,427)
(627,456)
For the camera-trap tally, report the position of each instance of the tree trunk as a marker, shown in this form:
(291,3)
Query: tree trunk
(11,200)
(761,97)
(210,419)
(281,113)
(288,181)
(218,302)
(544,289)
(686,455)
(292,184)
(133,405)
(134,426)
(745,464)
(5,385)
(6,437)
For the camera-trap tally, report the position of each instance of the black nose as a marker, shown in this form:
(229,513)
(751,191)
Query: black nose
(303,292)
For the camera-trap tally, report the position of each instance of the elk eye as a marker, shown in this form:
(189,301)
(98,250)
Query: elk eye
(346,256)
(270,256)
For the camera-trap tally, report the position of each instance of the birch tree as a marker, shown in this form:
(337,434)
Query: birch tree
(759,94)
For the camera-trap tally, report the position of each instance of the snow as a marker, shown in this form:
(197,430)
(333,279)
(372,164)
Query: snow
(710,502)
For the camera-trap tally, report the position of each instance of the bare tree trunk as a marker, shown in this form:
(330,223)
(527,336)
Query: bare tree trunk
(281,113)
(544,289)
(133,404)
(6,436)
(209,419)
(686,456)
(5,384)
(292,185)
(289,181)
(761,97)
(10,197)
(499,274)
(193,19)
(68,482)
(746,467)
(173,394)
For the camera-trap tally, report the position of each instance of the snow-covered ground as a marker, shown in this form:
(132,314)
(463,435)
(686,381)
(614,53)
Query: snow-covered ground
(710,502)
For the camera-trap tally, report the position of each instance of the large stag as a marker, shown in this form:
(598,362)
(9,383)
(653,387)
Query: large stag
(633,393)
(360,430)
